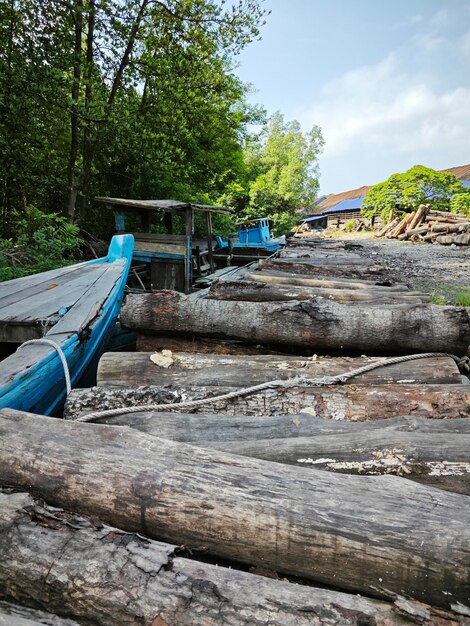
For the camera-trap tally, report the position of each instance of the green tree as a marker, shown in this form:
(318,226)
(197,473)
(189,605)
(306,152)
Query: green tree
(418,185)
(282,167)
(460,203)
(134,97)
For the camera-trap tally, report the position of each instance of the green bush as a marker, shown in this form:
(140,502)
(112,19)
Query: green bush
(43,241)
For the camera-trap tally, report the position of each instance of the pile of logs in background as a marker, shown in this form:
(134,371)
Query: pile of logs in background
(431,226)
(357,492)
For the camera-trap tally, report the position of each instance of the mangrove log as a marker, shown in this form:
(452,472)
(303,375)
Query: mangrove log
(186,369)
(321,268)
(346,402)
(321,325)
(284,278)
(154,343)
(251,291)
(351,531)
(75,565)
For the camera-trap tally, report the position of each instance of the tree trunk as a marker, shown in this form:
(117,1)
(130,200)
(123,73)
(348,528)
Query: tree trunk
(436,459)
(14,615)
(283,278)
(105,576)
(323,326)
(77,16)
(185,369)
(321,267)
(350,531)
(154,343)
(433,452)
(353,403)
(250,291)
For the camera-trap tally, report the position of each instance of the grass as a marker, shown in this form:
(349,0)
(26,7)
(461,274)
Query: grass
(462,297)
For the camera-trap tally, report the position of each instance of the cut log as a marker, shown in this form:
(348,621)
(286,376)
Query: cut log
(348,402)
(436,459)
(14,615)
(205,429)
(402,226)
(433,452)
(126,369)
(319,255)
(388,228)
(284,278)
(450,228)
(420,230)
(320,268)
(101,575)
(155,343)
(320,325)
(458,240)
(251,291)
(421,213)
(351,531)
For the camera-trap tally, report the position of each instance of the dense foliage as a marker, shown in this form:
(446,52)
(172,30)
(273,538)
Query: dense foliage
(133,98)
(406,191)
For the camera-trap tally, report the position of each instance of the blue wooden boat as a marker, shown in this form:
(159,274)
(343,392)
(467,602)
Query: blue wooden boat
(75,308)
(253,235)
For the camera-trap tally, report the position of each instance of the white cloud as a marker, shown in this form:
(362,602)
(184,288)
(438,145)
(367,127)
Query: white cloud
(398,118)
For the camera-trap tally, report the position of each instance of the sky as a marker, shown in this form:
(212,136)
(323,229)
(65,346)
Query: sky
(388,82)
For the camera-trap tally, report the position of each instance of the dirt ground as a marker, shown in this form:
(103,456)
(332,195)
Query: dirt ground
(443,271)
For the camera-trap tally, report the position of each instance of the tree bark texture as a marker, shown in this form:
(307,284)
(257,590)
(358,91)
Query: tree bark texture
(351,531)
(317,268)
(188,369)
(154,343)
(325,326)
(14,615)
(433,452)
(104,576)
(251,291)
(353,403)
(284,278)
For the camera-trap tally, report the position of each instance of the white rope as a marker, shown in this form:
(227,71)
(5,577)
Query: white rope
(300,381)
(61,354)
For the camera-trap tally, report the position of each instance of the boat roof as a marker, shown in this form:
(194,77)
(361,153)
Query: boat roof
(161,205)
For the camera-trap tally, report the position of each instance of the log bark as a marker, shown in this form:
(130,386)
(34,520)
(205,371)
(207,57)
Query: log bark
(251,291)
(346,402)
(432,452)
(155,343)
(284,278)
(402,226)
(450,228)
(105,576)
(128,369)
(421,213)
(320,268)
(323,326)
(435,459)
(351,531)
(459,240)
(14,615)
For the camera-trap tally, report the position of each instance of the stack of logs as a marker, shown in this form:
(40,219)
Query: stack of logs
(204,517)
(430,226)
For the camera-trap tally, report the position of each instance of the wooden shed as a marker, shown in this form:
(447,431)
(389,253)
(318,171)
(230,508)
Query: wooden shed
(173,259)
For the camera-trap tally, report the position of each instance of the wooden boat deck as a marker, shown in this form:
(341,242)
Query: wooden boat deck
(31,306)
(75,307)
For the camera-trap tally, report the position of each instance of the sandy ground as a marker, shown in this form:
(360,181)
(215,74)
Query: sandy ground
(443,271)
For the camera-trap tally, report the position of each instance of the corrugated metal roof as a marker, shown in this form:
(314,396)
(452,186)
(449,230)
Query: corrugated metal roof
(461,171)
(346,205)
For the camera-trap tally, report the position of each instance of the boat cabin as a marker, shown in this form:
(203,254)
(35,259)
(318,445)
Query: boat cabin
(174,259)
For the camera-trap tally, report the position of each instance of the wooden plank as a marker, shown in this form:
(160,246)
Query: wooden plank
(159,237)
(165,205)
(49,301)
(91,302)
(156,247)
(27,292)
(304,280)
(18,285)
